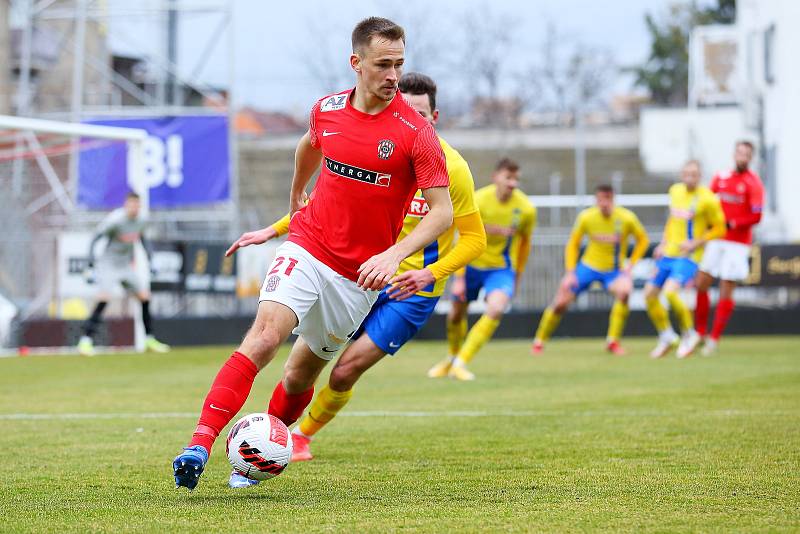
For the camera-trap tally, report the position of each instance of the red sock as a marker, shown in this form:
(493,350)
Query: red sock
(289,408)
(225,398)
(701,313)
(724,312)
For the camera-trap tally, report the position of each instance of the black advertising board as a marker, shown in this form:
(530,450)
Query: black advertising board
(207,270)
(775,266)
(166,266)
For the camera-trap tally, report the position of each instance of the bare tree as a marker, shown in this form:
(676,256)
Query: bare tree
(487,37)
(324,61)
(569,75)
(426,37)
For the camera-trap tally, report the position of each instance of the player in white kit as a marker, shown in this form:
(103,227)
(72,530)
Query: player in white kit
(122,229)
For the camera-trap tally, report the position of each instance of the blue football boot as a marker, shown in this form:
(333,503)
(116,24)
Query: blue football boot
(189,465)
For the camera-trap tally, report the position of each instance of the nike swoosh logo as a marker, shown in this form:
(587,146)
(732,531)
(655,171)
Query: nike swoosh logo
(326,133)
(326,349)
(218,408)
(393,345)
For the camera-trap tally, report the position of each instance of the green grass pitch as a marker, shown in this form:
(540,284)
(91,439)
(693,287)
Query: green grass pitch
(574,440)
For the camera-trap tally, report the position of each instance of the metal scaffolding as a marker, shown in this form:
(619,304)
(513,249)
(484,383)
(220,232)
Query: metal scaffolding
(39,170)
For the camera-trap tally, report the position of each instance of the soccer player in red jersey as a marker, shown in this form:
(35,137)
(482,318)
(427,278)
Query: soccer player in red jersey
(741,194)
(375,151)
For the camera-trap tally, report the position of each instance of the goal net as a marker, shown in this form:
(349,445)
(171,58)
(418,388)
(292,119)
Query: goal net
(39,161)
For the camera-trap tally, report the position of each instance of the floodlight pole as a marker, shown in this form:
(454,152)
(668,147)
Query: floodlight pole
(580,155)
(77,88)
(23,91)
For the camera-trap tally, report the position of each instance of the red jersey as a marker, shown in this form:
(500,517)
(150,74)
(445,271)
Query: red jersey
(742,197)
(371,167)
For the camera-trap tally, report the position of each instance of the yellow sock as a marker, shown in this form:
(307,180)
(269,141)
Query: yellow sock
(616,320)
(680,310)
(456,332)
(480,333)
(657,313)
(323,409)
(548,324)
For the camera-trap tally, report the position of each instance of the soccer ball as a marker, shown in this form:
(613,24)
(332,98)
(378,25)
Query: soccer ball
(259,446)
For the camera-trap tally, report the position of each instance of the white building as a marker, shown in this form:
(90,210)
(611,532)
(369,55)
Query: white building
(744,83)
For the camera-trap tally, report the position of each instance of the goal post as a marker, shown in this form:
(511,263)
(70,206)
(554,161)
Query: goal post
(40,200)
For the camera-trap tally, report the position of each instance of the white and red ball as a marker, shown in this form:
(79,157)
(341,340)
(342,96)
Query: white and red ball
(259,446)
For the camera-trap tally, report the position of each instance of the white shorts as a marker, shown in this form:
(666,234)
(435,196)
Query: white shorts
(726,260)
(111,274)
(328,306)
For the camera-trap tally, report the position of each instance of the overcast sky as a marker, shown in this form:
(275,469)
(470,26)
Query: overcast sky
(279,44)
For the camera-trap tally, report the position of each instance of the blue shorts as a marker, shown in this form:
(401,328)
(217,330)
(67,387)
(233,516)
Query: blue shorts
(587,276)
(679,269)
(490,280)
(391,323)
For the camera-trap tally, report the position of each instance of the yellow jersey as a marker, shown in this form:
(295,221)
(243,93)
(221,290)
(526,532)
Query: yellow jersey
(692,214)
(462,195)
(608,239)
(507,225)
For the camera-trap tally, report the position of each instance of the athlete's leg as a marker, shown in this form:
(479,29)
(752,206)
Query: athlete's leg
(273,324)
(296,388)
(681,312)
(667,338)
(553,313)
(469,285)
(93,322)
(482,331)
(151,343)
(499,286)
(724,308)
(89,329)
(456,325)
(655,310)
(621,288)
(703,282)
(359,356)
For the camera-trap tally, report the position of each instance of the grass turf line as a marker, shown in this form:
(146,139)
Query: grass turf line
(610,443)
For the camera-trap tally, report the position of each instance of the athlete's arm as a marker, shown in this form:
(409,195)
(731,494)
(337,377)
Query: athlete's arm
(471,244)
(572,251)
(95,239)
(717,219)
(377,271)
(147,246)
(257,237)
(658,252)
(573,248)
(755,201)
(524,250)
(307,159)
(523,253)
(640,248)
(716,229)
(103,230)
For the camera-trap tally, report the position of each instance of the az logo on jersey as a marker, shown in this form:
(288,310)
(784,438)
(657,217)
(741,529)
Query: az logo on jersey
(385,148)
(333,103)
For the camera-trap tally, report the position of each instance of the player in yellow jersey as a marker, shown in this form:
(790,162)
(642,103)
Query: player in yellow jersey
(695,217)
(509,219)
(605,260)
(404,306)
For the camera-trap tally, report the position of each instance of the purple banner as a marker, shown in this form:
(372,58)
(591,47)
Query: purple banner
(186,163)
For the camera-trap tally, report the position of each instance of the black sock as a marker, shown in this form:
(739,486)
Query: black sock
(146,319)
(91,324)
